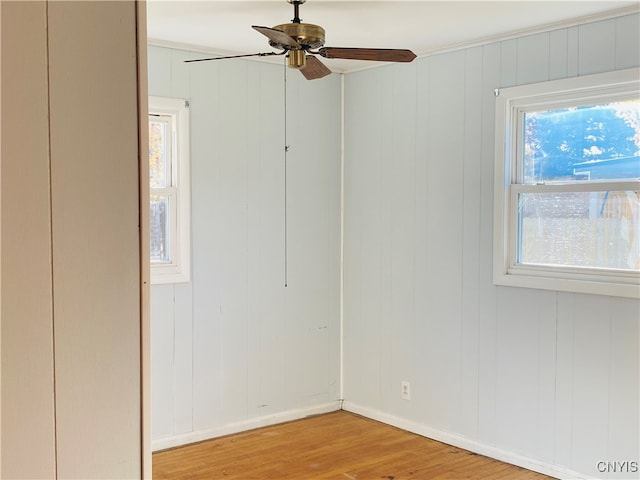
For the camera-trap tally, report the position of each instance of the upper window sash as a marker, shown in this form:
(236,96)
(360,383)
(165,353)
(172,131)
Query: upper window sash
(523,107)
(165,177)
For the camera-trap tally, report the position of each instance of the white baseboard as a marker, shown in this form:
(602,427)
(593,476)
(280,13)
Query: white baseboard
(467,443)
(236,427)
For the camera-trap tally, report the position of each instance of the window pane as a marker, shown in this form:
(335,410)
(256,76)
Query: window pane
(159,158)
(160,229)
(593,142)
(580,229)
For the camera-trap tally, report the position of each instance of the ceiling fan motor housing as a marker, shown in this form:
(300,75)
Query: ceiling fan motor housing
(307,35)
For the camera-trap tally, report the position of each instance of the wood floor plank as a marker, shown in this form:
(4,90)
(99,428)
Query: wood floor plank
(335,446)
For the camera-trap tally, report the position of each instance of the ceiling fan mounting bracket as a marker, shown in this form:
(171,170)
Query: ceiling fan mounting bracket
(296,9)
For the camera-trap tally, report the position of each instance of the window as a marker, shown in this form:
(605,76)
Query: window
(567,186)
(169,190)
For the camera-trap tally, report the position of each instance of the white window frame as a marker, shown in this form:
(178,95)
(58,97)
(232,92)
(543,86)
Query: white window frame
(511,103)
(179,269)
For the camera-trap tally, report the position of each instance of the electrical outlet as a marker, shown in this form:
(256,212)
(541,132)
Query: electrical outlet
(406,391)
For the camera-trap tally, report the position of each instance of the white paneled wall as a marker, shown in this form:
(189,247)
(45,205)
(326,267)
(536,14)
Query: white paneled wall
(235,348)
(70,317)
(544,379)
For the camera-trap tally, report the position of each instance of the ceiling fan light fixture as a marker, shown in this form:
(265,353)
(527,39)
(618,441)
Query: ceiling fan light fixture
(297,59)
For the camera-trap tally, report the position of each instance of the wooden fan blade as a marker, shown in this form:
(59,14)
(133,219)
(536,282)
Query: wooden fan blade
(277,37)
(375,54)
(314,68)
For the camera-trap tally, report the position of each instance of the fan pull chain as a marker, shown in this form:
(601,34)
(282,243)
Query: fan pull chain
(286,149)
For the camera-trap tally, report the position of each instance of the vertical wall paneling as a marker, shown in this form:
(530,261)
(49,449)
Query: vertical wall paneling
(487,356)
(159,71)
(94,178)
(564,373)
(253,240)
(182,363)
(533,58)
(572,51)
(232,158)
(558,52)
(596,42)
(387,166)
(422,242)
(627,41)
(267,381)
(364,154)
(71,309)
(545,379)
(471,224)
(525,345)
(162,360)
(624,366)
(234,346)
(28,424)
(444,209)
(401,162)
(591,380)
(206,274)
(508,63)
(546,322)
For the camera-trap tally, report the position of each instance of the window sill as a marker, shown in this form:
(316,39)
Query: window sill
(591,283)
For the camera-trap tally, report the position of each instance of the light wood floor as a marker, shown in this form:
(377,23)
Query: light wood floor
(337,445)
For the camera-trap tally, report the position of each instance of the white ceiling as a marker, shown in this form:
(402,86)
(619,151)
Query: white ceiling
(224,27)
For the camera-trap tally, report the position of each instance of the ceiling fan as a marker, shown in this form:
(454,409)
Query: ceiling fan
(301,42)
